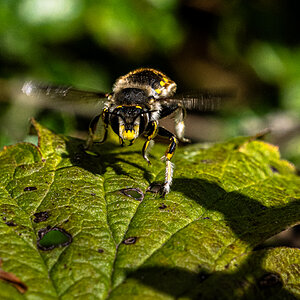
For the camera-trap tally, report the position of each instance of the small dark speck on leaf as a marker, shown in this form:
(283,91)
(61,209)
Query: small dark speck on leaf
(43,159)
(93,194)
(162,206)
(130,240)
(100,250)
(4,218)
(206,218)
(10,223)
(269,280)
(134,193)
(263,207)
(41,216)
(30,188)
(49,238)
(274,170)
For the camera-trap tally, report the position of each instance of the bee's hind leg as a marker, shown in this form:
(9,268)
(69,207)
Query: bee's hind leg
(164,188)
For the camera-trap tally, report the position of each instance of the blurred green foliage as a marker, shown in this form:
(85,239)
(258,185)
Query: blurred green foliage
(250,46)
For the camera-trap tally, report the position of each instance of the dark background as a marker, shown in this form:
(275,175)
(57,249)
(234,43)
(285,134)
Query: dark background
(251,47)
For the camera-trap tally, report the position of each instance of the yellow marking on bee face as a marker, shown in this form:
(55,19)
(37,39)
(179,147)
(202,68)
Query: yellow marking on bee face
(137,106)
(129,134)
(162,83)
(158,91)
(119,106)
(165,79)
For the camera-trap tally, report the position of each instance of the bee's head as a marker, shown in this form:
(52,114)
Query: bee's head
(129,121)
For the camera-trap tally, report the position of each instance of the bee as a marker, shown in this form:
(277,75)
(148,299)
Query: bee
(137,102)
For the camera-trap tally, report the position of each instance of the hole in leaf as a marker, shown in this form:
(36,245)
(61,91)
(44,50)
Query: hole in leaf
(130,240)
(41,216)
(30,188)
(134,193)
(49,238)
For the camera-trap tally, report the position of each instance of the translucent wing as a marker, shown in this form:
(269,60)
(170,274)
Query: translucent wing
(203,100)
(62,97)
(31,88)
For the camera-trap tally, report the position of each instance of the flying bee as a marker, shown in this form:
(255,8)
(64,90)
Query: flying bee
(138,101)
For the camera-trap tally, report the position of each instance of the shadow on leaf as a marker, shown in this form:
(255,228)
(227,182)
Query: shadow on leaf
(252,222)
(103,156)
(250,281)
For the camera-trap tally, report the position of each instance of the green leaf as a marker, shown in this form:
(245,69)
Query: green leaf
(199,241)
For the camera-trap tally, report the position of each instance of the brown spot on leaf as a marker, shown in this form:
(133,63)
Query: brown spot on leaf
(30,188)
(130,240)
(10,223)
(162,206)
(41,216)
(273,169)
(100,250)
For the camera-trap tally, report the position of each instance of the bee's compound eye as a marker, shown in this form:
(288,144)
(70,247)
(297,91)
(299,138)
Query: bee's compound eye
(114,121)
(144,119)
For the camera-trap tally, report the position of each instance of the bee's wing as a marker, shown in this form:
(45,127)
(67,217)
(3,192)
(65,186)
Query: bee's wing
(35,89)
(63,97)
(202,100)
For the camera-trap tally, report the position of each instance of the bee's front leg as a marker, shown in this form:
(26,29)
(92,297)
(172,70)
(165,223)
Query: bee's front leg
(97,130)
(150,135)
(164,188)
